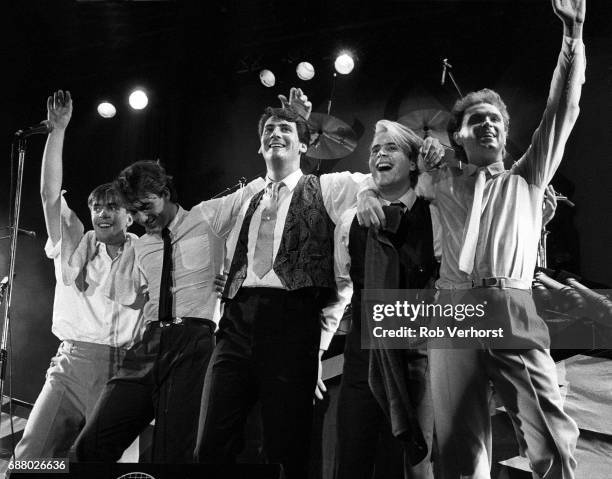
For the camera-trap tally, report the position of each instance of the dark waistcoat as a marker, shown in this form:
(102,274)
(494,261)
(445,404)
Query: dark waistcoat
(305,256)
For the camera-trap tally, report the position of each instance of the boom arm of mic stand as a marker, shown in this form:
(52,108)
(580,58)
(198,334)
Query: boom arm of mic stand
(241,184)
(450,75)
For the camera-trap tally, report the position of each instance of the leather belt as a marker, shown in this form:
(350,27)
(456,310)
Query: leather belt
(493,282)
(182,321)
(501,283)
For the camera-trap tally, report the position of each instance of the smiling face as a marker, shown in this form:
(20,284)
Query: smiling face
(482,134)
(110,220)
(281,147)
(154,212)
(389,165)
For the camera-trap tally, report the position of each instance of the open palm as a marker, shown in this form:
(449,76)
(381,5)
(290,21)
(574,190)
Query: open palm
(570,11)
(59,109)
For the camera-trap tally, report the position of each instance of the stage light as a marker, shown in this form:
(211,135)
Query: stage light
(305,71)
(344,64)
(267,78)
(107,110)
(138,99)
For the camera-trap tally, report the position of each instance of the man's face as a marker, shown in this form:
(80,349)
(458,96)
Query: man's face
(389,165)
(482,134)
(110,221)
(152,211)
(280,142)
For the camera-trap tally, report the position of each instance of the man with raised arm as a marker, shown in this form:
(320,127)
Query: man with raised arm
(94,330)
(491,220)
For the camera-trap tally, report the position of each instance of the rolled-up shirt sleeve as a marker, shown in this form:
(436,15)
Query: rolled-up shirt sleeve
(340,190)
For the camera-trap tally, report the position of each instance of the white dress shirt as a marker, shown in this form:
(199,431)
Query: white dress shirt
(511,217)
(90,316)
(198,241)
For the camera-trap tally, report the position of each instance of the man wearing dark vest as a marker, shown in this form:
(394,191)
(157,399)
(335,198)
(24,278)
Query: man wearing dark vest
(275,325)
(407,242)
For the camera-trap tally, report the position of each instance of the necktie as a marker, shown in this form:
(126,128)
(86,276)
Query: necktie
(470,238)
(264,248)
(165,293)
(393,216)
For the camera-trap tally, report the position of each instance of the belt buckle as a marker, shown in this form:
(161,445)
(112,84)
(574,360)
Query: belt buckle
(165,324)
(492,282)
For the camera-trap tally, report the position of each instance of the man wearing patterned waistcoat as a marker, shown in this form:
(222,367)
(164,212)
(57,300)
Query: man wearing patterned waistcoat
(280,297)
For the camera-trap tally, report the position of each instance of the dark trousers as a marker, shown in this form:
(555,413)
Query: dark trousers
(363,429)
(267,350)
(161,378)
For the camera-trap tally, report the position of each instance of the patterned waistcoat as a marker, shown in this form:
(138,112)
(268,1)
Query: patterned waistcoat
(305,256)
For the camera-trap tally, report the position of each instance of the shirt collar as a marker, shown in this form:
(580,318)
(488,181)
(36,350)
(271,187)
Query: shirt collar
(129,238)
(178,218)
(172,226)
(493,169)
(290,181)
(407,199)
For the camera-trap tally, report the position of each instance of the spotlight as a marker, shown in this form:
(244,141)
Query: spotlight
(138,99)
(344,64)
(267,78)
(305,71)
(107,110)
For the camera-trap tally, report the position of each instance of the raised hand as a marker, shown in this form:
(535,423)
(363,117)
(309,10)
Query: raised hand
(298,101)
(59,109)
(572,13)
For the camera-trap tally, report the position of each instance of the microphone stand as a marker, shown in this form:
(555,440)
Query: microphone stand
(446,70)
(242,182)
(7,286)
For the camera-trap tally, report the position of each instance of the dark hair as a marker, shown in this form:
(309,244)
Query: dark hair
(287,114)
(473,98)
(142,178)
(104,193)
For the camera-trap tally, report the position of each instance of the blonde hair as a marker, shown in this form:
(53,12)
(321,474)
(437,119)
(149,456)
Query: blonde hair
(404,137)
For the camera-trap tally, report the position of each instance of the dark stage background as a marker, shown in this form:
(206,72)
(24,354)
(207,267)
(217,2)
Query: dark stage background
(199,63)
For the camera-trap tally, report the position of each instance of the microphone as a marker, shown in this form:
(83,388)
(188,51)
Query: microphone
(445,65)
(42,128)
